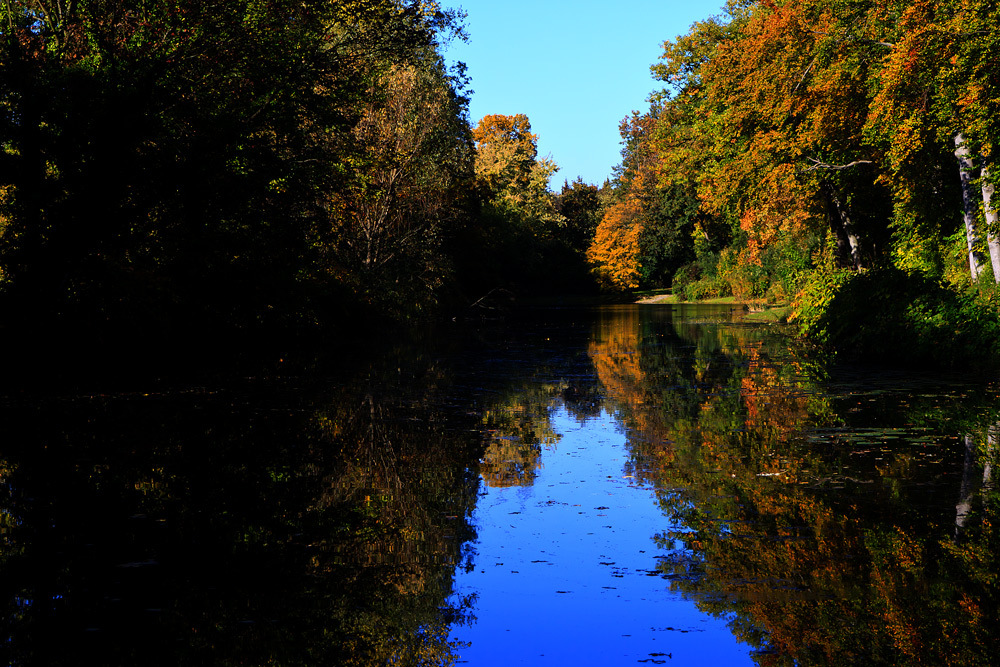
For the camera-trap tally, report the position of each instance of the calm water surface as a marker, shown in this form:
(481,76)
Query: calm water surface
(613,486)
(566,569)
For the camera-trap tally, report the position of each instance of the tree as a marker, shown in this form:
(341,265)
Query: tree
(615,249)
(415,159)
(648,231)
(969,85)
(514,242)
(508,167)
(580,204)
(506,150)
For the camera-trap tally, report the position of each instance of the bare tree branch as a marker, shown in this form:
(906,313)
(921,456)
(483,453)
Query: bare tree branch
(834,167)
(804,74)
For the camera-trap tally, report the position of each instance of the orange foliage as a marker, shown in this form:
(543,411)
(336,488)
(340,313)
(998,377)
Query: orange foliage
(505,151)
(778,95)
(615,249)
(772,406)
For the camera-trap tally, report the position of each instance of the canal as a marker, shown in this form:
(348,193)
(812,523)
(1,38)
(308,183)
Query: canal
(608,486)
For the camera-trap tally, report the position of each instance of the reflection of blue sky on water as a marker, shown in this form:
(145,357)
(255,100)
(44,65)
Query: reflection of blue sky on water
(564,568)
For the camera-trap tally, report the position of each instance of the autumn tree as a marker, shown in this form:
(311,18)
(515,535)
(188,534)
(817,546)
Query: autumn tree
(510,171)
(615,250)
(506,152)
(788,106)
(802,142)
(518,240)
(647,232)
(415,156)
(929,110)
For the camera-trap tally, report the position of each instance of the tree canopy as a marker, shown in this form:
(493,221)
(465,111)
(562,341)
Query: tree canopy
(810,140)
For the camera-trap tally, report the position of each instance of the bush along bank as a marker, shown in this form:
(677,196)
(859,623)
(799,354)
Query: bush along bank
(900,316)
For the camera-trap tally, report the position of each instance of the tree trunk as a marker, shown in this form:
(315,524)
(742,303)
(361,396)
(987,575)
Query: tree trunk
(970,483)
(992,441)
(972,238)
(992,228)
(967,490)
(848,246)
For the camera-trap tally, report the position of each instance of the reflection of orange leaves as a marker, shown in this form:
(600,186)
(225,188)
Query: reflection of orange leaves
(971,608)
(820,579)
(771,407)
(509,462)
(515,433)
(617,359)
(892,577)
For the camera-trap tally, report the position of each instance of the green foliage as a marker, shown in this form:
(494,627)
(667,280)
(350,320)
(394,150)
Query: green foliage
(893,314)
(665,243)
(579,204)
(815,300)
(745,280)
(700,279)
(786,264)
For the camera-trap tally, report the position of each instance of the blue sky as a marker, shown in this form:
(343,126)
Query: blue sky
(574,68)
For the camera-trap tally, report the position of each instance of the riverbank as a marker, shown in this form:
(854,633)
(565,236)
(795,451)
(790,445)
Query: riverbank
(757,312)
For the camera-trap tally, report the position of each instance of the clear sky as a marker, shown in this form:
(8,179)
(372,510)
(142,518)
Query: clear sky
(575,68)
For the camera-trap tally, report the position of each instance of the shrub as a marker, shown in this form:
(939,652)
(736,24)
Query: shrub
(744,278)
(708,287)
(897,315)
(686,275)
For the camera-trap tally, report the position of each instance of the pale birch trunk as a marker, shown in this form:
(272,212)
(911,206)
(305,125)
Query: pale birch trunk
(992,228)
(969,208)
(967,491)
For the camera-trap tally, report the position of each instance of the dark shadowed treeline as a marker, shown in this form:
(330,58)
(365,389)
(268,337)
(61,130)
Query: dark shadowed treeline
(222,166)
(175,171)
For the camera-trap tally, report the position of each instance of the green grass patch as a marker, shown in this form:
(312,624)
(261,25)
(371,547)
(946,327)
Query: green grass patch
(671,299)
(774,315)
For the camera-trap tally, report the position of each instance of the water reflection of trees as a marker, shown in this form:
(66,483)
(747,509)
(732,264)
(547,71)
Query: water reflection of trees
(515,429)
(544,367)
(256,525)
(818,514)
(271,523)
